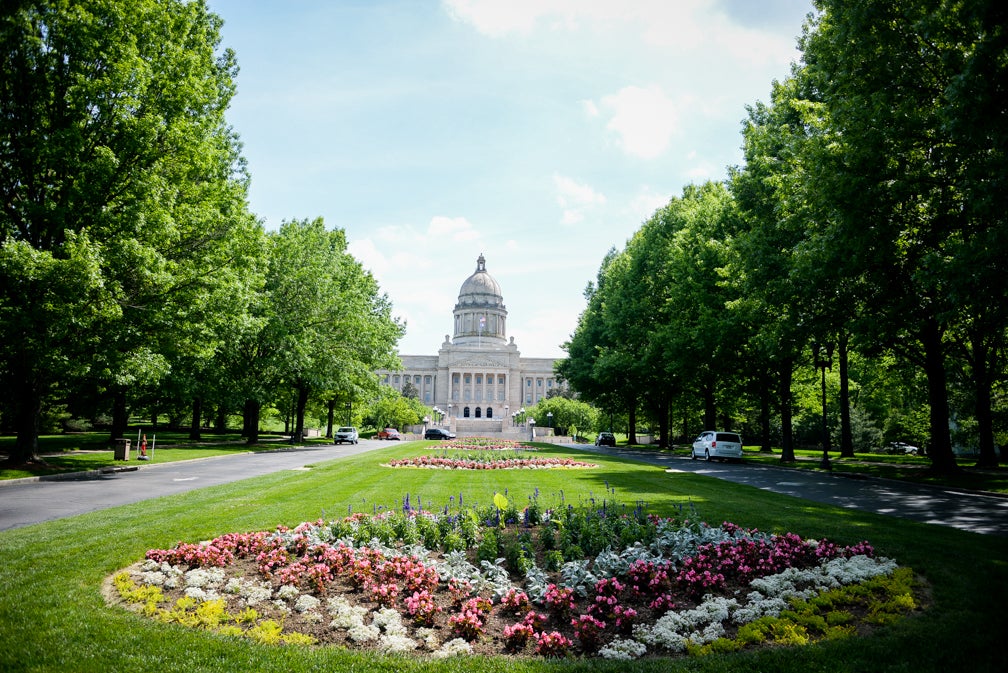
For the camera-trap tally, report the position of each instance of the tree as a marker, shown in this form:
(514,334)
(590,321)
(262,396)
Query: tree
(122,187)
(330,326)
(897,82)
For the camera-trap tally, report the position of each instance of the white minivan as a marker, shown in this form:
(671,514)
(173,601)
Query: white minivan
(711,444)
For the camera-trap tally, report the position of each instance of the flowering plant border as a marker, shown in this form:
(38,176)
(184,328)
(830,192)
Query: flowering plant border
(691,588)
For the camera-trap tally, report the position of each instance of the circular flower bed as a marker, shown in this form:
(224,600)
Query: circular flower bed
(607,582)
(489,463)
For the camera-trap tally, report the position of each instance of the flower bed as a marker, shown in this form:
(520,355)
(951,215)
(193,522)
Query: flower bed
(612,583)
(486,444)
(489,462)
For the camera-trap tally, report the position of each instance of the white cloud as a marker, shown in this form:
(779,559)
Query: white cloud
(452,228)
(644,119)
(646,202)
(574,198)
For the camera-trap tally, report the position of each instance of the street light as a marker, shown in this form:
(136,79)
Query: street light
(549,419)
(506,408)
(532,429)
(822,357)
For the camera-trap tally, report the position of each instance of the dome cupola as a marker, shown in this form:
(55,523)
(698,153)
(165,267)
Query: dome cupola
(480,315)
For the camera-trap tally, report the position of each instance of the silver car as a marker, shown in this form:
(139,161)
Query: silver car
(711,444)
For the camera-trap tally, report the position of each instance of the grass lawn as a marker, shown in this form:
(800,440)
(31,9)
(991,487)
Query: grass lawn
(53,618)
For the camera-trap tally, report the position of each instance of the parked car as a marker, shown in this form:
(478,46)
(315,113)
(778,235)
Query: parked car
(346,434)
(902,448)
(438,433)
(605,439)
(388,433)
(712,444)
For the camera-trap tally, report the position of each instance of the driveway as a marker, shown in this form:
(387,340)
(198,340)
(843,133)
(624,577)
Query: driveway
(25,502)
(965,510)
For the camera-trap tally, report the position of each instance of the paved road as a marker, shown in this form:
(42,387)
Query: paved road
(26,503)
(947,507)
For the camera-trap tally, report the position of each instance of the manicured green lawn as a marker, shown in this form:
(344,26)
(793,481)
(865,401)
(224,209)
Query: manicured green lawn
(53,618)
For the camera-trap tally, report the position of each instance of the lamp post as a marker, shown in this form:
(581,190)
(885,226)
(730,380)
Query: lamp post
(532,429)
(823,357)
(449,413)
(506,409)
(549,421)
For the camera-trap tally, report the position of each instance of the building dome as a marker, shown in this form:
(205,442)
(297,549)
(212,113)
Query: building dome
(481,289)
(480,315)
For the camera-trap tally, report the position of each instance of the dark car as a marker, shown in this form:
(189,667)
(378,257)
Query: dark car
(438,433)
(605,439)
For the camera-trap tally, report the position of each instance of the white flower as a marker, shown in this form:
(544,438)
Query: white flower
(307,603)
(396,643)
(453,648)
(288,592)
(429,638)
(205,577)
(390,621)
(345,615)
(200,594)
(623,650)
(364,633)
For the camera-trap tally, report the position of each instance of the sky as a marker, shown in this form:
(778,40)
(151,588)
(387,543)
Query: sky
(540,134)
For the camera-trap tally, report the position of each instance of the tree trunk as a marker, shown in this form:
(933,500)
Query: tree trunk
(846,433)
(663,411)
(765,441)
(220,421)
(250,421)
(982,393)
(784,392)
(120,416)
(197,412)
(632,422)
(302,402)
(940,450)
(330,418)
(710,409)
(28,411)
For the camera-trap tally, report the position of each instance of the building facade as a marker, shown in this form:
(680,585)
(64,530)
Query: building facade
(479,372)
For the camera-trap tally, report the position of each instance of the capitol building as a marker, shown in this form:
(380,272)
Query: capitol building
(478,378)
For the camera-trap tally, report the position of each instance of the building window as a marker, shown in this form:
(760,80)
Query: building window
(549,383)
(427,380)
(385,380)
(501,396)
(416,379)
(538,383)
(465,412)
(426,397)
(479,379)
(395,379)
(468,379)
(478,415)
(528,383)
(528,398)
(489,412)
